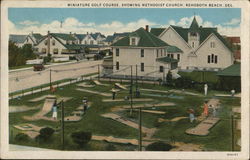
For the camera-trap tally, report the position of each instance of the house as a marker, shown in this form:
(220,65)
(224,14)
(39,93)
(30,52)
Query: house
(115,37)
(90,39)
(202,48)
(33,38)
(235,44)
(146,53)
(19,40)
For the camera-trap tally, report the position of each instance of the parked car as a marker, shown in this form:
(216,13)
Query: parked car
(38,67)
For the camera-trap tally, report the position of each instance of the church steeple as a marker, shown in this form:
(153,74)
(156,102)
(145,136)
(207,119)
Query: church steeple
(194,27)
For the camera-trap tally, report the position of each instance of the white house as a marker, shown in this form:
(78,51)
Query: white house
(33,38)
(146,53)
(202,48)
(90,39)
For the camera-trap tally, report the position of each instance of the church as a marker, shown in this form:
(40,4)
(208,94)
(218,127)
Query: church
(202,48)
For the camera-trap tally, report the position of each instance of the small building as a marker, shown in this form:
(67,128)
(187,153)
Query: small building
(230,77)
(19,40)
(146,53)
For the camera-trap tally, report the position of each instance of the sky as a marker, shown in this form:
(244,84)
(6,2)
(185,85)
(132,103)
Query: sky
(110,20)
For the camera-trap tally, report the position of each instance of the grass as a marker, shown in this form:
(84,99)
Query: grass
(22,66)
(218,140)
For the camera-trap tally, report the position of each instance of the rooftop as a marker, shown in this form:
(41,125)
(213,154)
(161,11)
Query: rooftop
(233,70)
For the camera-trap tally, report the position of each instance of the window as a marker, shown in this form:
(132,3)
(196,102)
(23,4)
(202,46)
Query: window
(55,50)
(172,55)
(43,50)
(46,42)
(85,42)
(133,41)
(161,68)
(142,67)
(208,59)
(212,45)
(142,52)
(193,44)
(193,34)
(117,65)
(117,52)
(212,58)
(168,55)
(157,53)
(215,59)
(91,42)
(161,53)
(178,57)
(53,42)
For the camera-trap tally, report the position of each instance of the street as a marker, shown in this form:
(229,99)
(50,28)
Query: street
(25,79)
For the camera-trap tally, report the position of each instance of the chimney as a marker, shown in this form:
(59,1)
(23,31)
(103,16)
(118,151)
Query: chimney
(146,28)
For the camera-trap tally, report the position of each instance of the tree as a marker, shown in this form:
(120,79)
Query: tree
(27,51)
(86,50)
(159,146)
(15,56)
(81,138)
(21,137)
(47,59)
(169,78)
(45,134)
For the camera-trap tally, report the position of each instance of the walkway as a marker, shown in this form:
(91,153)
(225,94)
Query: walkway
(95,92)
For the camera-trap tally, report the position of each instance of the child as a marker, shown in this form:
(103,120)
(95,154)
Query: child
(191,115)
(205,109)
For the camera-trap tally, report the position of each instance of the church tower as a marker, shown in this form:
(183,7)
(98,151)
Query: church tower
(194,34)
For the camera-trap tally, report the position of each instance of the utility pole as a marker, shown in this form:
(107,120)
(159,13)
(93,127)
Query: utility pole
(163,76)
(50,79)
(136,86)
(98,72)
(62,124)
(140,131)
(131,91)
(232,121)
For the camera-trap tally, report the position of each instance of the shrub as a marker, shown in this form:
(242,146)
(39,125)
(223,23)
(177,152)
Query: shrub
(21,137)
(81,138)
(45,134)
(159,146)
(110,147)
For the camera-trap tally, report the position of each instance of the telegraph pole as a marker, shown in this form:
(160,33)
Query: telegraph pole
(163,76)
(140,131)
(50,79)
(98,72)
(62,124)
(131,92)
(136,86)
(232,121)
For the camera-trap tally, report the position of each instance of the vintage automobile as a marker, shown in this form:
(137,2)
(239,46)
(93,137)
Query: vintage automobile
(38,67)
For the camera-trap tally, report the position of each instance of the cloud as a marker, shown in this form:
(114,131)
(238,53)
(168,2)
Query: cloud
(28,22)
(234,21)
(73,25)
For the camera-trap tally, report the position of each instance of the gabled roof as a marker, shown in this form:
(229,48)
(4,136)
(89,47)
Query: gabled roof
(166,60)
(109,38)
(37,36)
(95,35)
(174,49)
(80,36)
(233,70)
(63,36)
(146,39)
(157,31)
(17,38)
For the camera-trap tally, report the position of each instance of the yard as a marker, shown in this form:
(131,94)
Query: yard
(219,138)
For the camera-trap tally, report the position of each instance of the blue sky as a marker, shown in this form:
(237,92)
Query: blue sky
(98,18)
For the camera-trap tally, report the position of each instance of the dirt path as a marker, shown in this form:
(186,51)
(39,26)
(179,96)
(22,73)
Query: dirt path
(14,109)
(85,85)
(148,131)
(171,120)
(95,92)
(180,146)
(38,98)
(134,100)
(119,140)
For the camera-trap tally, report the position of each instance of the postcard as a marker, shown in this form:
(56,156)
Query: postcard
(125,79)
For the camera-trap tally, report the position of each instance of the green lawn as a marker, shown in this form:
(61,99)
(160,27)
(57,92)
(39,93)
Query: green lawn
(22,66)
(201,76)
(218,140)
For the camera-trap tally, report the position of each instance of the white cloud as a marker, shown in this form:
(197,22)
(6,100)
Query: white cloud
(234,21)
(73,25)
(28,22)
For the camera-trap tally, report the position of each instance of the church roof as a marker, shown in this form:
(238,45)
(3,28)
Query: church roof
(194,27)
(233,70)
(146,39)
